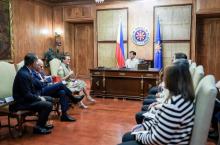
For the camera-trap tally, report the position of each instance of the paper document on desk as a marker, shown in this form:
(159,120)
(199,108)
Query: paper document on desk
(9,99)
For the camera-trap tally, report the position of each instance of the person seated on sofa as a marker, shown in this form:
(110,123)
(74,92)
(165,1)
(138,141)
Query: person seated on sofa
(27,98)
(179,55)
(75,85)
(160,98)
(173,122)
(155,91)
(58,90)
(215,124)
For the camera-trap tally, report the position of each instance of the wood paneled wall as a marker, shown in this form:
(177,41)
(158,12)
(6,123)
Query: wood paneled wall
(208,52)
(140,14)
(78,12)
(207,26)
(39,18)
(63,15)
(207,6)
(32,28)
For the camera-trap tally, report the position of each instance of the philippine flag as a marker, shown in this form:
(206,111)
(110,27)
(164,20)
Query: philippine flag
(120,48)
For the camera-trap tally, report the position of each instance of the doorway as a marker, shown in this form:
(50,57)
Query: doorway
(82,48)
(207,51)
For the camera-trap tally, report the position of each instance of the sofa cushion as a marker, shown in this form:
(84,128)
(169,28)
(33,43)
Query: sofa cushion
(204,104)
(197,76)
(54,66)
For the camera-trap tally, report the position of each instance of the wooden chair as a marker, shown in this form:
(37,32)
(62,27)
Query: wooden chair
(7,73)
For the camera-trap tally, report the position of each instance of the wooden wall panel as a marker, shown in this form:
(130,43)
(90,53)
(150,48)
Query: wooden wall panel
(83,49)
(207,6)
(77,12)
(141,18)
(207,48)
(32,28)
(58,24)
(64,19)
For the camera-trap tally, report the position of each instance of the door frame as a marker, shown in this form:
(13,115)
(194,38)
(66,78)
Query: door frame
(76,59)
(69,28)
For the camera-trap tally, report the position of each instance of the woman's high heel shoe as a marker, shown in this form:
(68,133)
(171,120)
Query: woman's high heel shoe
(83,106)
(91,99)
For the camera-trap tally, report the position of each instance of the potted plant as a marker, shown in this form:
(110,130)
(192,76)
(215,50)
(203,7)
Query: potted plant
(51,54)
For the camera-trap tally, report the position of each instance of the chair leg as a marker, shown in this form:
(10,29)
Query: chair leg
(18,128)
(58,109)
(9,126)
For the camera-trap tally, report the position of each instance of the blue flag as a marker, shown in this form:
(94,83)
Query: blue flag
(158,57)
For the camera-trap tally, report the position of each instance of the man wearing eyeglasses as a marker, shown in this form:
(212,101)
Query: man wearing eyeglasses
(58,90)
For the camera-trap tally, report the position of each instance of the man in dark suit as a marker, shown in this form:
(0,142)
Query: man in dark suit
(28,98)
(58,90)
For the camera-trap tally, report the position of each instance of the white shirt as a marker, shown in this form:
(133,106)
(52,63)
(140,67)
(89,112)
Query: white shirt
(132,63)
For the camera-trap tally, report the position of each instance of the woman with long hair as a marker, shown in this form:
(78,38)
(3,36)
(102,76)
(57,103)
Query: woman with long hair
(174,121)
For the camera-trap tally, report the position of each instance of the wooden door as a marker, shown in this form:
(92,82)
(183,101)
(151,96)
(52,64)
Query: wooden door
(207,46)
(83,49)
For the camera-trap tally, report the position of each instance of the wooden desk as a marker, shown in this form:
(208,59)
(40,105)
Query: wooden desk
(122,83)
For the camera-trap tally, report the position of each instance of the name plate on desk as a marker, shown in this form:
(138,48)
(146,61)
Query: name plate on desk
(122,74)
(149,75)
(97,73)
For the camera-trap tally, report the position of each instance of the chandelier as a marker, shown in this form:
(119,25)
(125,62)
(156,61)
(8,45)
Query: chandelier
(99,1)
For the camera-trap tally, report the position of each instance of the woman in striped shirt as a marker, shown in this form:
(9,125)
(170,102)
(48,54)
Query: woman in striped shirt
(174,121)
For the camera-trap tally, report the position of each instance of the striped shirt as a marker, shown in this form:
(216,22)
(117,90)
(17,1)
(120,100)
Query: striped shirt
(172,124)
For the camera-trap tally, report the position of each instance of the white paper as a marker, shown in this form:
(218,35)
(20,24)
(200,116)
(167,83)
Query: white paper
(137,132)
(9,99)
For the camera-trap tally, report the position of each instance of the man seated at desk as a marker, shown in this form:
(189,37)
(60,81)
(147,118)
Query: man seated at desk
(132,62)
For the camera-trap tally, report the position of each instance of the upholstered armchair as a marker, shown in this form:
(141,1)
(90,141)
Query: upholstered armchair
(197,76)
(7,73)
(192,68)
(19,65)
(54,66)
(204,103)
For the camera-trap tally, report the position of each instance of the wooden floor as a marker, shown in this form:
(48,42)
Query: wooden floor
(103,123)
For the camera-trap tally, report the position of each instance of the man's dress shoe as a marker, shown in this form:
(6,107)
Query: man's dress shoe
(41,130)
(67,118)
(49,126)
(77,98)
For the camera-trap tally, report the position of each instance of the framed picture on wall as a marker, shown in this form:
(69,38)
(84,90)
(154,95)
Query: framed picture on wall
(5,31)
